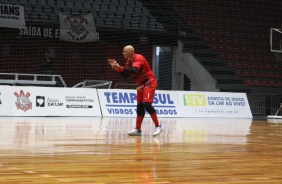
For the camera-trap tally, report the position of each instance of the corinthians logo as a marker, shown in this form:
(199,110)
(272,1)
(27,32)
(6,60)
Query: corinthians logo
(23,102)
(78,30)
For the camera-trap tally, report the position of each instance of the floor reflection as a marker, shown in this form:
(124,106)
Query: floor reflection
(97,150)
(61,135)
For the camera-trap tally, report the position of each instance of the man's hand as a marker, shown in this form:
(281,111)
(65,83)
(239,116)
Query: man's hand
(112,61)
(114,64)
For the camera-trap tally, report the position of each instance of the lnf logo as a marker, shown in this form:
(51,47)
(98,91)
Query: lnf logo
(194,100)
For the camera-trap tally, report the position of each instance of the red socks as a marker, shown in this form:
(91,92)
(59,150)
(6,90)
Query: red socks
(155,119)
(139,120)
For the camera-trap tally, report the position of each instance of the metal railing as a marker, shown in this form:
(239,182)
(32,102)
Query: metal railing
(31,79)
(125,86)
(94,84)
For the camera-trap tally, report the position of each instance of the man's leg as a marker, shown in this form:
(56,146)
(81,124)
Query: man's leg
(140,114)
(148,97)
(151,110)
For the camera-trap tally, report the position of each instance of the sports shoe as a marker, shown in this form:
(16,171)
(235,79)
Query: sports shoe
(134,132)
(158,130)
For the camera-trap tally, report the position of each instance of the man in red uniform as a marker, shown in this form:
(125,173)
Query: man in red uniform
(139,69)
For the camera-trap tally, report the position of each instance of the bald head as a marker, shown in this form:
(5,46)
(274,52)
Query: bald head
(129,48)
(128,52)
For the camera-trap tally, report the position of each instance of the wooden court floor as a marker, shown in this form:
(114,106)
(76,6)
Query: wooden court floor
(97,150)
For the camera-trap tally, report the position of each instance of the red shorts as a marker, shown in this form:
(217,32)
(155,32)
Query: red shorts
(146,94)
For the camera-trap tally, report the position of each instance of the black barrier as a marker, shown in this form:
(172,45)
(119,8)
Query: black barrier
(264,104)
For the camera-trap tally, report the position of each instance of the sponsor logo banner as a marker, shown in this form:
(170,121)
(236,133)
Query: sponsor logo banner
(12,16)
(48,101)
(122,103)
(214,104)
(77,28)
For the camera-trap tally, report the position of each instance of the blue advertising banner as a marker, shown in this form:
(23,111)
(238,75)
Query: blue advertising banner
(122,103)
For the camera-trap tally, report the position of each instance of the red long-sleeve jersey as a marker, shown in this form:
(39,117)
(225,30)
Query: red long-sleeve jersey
(140,70)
